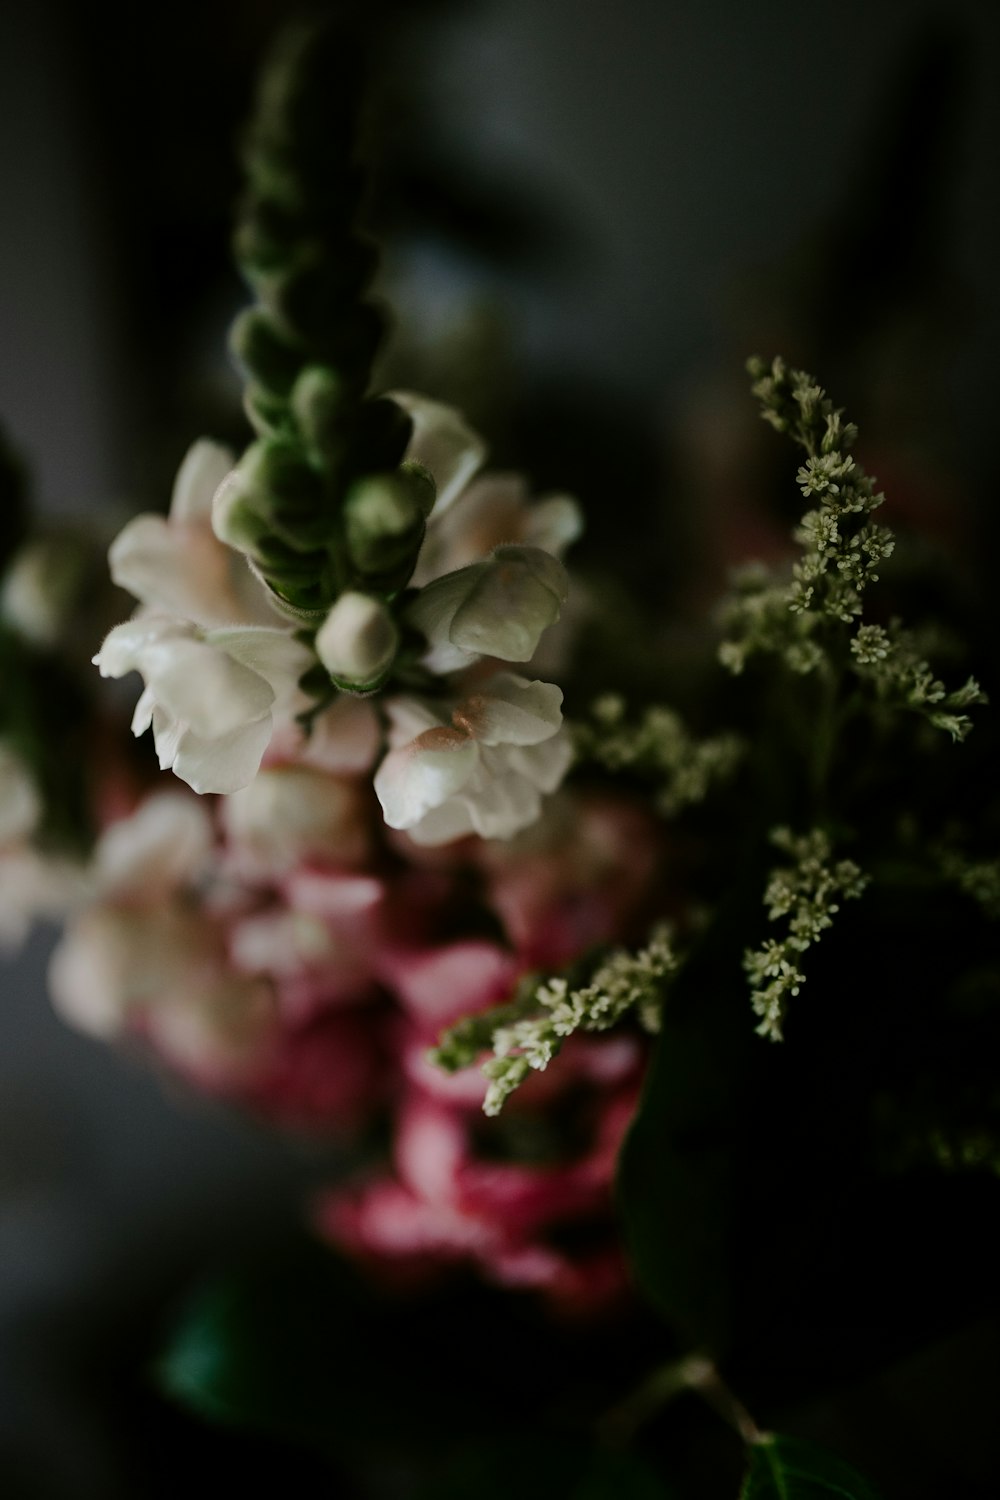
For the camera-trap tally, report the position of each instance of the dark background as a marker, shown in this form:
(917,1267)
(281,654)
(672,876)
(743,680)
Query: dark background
(593,212)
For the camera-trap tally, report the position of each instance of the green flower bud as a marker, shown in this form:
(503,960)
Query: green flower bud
(384,523)
(324,406)
(260,348)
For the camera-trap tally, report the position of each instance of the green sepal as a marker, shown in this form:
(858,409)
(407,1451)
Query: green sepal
(268,415)
(261,349)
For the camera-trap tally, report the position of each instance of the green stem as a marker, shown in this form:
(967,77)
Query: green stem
(693,1373)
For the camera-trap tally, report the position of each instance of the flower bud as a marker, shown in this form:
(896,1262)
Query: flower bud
(357,642)
(384,522)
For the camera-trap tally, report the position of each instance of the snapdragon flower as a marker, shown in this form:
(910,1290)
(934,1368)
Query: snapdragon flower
(212,697)
(497,607)
(221,673)
(476,765)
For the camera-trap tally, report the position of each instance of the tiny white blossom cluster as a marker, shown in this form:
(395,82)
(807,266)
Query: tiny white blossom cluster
(802,616)
(809,893)
(223,660)
(659,747)
(528,1032)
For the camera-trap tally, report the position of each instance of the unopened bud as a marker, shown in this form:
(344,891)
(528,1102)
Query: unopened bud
(357,641)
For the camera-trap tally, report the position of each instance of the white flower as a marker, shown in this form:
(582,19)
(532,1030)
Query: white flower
(20,804)
(177,566)
(212,697)
(482,769)
(289,814)
(443,443)
(495,509)
(162,847)
(498,607)
(221,674)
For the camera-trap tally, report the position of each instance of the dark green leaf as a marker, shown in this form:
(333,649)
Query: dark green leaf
(783,1468)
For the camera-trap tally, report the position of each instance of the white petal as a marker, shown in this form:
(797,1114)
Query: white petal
(409,717)
(205,688)
(224,764)
(167,734)
(516,597)
(444,443)
(510,710)
(143,715)
(545,764)
(433,611)
(553,524)
(124,646)
(179,569)
(20,804)
(500,801)
(345,739)
(204,467)
(88,971)
(274,655)
(442,825)
(424,774)
(164,844)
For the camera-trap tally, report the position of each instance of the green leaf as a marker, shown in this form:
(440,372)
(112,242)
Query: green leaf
(783,1468)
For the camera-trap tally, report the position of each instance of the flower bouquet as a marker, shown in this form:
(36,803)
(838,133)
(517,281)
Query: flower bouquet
(635,957)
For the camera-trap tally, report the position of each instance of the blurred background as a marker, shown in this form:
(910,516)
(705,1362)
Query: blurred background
(592,213)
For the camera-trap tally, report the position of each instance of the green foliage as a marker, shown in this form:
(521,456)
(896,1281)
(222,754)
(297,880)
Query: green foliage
(808,893)
(660,749)
(783,1468)
(301,507)
(530,1030)
(812,620)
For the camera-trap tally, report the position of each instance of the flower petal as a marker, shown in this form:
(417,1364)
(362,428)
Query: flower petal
(163,845)
(274,655)
(423,774)
(516,596)
(553,524)
(223,764)
(204,687)
(204,467)
(510,710)
(180,569)
(434,609)
(123,647)
(444,443)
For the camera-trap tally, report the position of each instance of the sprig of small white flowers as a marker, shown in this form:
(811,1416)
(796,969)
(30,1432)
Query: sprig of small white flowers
(889,659)
(528,1032)
(977,878)
(809,892)
(659,747)
(842,553)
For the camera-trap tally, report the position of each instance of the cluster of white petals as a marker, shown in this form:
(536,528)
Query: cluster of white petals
(490,584)
(221,670)
(221,665)
(142,948)
(476,765)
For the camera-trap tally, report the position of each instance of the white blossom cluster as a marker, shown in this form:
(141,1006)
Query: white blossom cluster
(796,616)
(528,1032)
(660,747)
(808,892)
(223,660)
